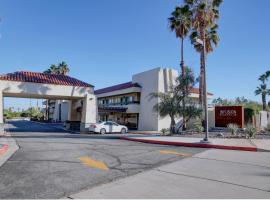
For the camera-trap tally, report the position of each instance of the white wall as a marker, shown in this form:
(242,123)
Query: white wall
(152,81)
(149,81)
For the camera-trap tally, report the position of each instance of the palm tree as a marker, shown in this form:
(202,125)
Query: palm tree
(263,90)
(52,70)
(205,14)
(168,105)
(63,68)
(180,22)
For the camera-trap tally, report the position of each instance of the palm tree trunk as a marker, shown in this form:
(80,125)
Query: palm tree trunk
(201,80)
(264,101)
(182,57)
(183,74)
(172,126)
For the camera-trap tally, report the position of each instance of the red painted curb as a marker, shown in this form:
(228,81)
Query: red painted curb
(198,145)
(4,149)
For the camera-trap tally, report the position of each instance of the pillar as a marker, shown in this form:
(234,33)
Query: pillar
(89,112)
(1,113)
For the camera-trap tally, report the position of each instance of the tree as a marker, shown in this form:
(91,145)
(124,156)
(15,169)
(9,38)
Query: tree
(264,91)
(180,22)
(170,103)
(205,15)
(62,69)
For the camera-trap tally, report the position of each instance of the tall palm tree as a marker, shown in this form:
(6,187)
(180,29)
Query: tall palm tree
(262,89)
(180,22)
(205,14)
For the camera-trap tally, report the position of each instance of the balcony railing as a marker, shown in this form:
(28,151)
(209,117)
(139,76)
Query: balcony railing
(120,104)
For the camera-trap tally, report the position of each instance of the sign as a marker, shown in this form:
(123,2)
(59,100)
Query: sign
(225,115)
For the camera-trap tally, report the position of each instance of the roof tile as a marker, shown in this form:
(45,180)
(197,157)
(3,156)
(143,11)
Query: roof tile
(36,77)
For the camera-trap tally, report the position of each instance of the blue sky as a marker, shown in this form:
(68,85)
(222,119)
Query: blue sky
(106,41)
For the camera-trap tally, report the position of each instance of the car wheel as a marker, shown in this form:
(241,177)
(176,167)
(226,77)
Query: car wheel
(103,131)
(123,131)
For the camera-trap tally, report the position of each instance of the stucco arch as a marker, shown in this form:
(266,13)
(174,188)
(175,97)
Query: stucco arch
(50,86)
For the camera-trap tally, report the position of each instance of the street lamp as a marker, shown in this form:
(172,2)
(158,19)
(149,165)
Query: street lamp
(205,140)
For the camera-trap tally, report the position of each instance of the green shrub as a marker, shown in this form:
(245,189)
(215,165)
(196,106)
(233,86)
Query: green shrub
(248,114)
(165,131)
(250,131)
(268,128)
(233,128)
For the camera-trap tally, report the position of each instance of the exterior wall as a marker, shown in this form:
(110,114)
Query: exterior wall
(152,81)
(149,81)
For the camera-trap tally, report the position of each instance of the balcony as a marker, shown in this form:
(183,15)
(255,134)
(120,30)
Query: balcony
(131,106)
(120,104)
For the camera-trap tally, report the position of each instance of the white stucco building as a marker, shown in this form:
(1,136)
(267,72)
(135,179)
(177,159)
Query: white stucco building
(130,104)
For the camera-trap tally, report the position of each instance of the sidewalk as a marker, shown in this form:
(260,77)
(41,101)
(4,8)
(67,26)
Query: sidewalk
(8,147)
(217,143)
(211,174)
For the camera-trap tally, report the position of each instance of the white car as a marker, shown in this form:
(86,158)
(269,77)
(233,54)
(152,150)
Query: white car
(108,127)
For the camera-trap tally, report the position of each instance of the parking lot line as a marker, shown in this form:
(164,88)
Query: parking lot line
(93,163)
(174,153)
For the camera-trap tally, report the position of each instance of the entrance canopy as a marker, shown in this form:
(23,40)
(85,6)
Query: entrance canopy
(49,86)
(41,85)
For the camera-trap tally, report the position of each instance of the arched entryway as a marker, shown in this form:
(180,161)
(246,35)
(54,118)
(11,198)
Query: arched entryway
(52,86)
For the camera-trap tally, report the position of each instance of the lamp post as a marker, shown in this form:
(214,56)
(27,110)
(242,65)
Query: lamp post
(205,140)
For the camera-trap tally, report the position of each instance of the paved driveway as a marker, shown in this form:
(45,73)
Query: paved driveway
(52,163)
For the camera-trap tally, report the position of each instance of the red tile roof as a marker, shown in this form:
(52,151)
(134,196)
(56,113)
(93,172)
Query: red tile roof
(36,77)
(117,87)
(129,85)
(196,91)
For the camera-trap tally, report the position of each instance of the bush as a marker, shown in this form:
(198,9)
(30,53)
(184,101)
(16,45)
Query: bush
(197,127)
(165,131)
(268,128)
(250,131)
(233,128)
(248,115)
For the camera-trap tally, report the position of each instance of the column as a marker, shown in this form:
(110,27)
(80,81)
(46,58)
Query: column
(1,112)
(89,112)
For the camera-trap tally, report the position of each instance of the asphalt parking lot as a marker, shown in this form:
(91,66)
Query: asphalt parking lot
(52,163)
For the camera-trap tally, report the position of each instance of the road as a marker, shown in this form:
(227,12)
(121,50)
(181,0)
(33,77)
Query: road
(52,163)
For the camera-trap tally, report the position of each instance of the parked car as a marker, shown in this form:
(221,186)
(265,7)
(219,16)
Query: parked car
(108,127)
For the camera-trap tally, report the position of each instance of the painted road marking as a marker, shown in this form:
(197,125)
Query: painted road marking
(93,163)
(174,153)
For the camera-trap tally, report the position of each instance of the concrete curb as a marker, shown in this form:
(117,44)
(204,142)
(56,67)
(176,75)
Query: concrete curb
(198,145)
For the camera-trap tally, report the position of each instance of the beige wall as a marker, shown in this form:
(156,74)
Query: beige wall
(51,91)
